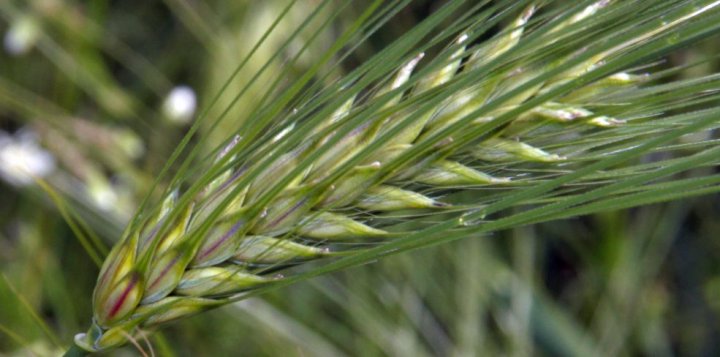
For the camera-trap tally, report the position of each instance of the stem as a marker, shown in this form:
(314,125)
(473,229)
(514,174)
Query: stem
(75,351)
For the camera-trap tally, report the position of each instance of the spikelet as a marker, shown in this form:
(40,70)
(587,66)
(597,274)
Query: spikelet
(195,256)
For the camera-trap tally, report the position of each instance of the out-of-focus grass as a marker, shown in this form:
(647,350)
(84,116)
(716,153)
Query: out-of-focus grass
(91,86)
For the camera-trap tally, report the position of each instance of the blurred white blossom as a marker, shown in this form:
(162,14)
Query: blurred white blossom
(101,191)
(180,104)
(130,143)
(22,159)
(21,36)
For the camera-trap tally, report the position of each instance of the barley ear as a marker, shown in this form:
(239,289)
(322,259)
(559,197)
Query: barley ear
(413,140)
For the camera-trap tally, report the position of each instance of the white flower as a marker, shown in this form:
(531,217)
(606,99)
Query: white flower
(22,159)
(101,192)
(21,36)
(179,105)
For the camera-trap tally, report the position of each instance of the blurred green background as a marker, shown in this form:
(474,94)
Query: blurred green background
(94,96)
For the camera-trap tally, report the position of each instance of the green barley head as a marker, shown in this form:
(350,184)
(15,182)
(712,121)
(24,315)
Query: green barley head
(328,179)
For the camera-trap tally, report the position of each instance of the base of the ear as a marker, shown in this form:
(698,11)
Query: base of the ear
(97,339)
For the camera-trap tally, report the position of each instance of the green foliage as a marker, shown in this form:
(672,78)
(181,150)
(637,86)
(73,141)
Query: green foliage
(605,110)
